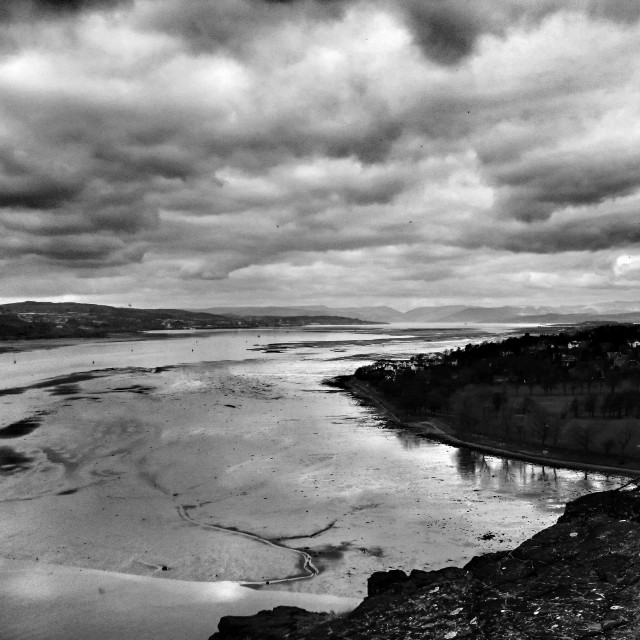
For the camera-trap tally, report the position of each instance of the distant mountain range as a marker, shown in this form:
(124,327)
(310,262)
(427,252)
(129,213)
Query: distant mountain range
(609,312)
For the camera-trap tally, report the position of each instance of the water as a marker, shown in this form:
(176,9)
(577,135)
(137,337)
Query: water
(223,456)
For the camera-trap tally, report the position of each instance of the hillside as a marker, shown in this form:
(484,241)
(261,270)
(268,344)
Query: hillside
(31,320)
(570,396)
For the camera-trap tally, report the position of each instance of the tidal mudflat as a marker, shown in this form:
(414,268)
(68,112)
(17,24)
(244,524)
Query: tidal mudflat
(224,457)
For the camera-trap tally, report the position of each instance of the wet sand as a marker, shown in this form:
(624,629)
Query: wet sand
(132,461)
(246,471)
(44,602)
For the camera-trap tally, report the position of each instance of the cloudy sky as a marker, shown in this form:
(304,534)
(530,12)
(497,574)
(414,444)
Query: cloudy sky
(404,152)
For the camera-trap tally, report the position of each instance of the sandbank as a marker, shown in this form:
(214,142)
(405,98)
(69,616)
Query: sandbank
(43,601)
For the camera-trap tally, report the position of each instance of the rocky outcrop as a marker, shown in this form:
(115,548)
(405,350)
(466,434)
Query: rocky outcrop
(579,578)
(281,622)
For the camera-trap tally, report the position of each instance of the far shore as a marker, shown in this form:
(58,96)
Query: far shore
(437,429)
(19,345)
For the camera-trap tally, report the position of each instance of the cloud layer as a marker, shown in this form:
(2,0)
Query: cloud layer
(320,151)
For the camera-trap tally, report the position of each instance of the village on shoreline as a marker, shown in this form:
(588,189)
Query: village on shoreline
(570,398)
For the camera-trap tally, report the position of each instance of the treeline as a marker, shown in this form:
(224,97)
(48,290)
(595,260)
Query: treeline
(547,389)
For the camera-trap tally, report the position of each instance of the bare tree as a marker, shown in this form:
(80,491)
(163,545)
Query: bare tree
(590,403)
(508,418)
(574,406)
(583,435)
(623,436)
(542,423)
(608,445)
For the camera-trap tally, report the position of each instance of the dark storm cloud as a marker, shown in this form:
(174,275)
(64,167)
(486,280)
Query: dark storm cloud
(28,9)
(89,250)
(145,160)
(57,206)
(448,30)
(369,137)
(35,193)
(595,234)
(575,232)
(533,190)
(82,250)
(233,24)
(25,185)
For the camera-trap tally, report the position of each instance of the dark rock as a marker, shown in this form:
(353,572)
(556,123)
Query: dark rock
(381,581)
(279,623)
(579,578)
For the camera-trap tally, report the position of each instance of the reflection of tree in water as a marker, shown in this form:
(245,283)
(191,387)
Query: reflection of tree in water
(470,463)
(549,486)
(410,440)
(523,473)
(586,482)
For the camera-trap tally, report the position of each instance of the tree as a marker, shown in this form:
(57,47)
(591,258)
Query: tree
(583,435)
(612,405)
(507,419)
(623,436)
(497,400)
(435,401)
(466,408)
(608,445)
(574,406)
(590,404)
(549,380)
(521,428)
(526,405)
(613,379)
(542,424)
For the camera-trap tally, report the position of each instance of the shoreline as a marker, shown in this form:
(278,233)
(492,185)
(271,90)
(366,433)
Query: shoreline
(440,431)
(68,602)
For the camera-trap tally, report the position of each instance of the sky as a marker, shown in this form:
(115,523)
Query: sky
(196,153)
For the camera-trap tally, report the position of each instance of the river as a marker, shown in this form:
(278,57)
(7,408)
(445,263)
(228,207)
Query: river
(222,457)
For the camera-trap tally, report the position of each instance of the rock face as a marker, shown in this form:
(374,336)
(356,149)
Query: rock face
(579,578)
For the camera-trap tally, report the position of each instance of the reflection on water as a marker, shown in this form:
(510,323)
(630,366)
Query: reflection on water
(545,487)
(551,486)
(470,463)
(410,440)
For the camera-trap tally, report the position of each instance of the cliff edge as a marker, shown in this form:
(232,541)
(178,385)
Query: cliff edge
(579,578)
